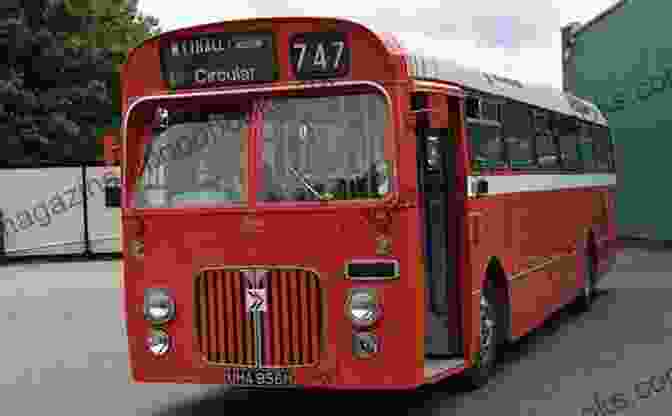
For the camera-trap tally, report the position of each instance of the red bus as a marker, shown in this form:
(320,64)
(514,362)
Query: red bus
(305,203)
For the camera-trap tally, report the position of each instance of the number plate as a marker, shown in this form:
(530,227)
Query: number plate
(258,377)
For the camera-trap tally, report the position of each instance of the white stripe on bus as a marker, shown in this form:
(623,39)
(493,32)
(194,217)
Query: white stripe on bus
(529,183)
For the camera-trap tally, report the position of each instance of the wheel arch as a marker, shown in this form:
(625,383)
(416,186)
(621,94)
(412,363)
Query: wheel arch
(495,274)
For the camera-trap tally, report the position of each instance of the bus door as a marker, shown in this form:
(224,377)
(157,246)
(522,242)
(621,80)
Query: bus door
(437,177)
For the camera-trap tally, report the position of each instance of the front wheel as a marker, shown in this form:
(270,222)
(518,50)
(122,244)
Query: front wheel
(477,376)
(585,299)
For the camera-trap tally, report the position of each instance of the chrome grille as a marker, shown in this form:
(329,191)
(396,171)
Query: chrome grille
(287,334)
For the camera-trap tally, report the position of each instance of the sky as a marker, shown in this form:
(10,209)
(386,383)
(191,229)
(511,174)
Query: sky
(519,39)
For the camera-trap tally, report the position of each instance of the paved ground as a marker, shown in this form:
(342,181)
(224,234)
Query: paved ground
(64,352)
(63,346)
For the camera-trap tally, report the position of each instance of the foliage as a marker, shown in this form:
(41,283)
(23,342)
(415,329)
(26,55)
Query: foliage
(59,83)
(115,25)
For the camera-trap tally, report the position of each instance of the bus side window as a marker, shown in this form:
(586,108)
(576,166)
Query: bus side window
(472,107)
(485,146)
(547,151)
(602,148)
(546,145)
(483,124)
(518,131)
(586,146)
(569,131)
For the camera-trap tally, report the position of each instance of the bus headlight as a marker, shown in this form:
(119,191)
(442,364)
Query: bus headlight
(158,342)
(365,344)
(363,307)
(159,305)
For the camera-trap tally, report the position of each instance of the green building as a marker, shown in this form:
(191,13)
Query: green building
(622,61)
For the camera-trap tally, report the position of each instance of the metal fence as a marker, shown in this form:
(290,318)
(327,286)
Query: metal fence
(57,210)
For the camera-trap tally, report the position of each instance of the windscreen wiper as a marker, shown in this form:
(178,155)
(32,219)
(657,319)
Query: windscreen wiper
(305,183)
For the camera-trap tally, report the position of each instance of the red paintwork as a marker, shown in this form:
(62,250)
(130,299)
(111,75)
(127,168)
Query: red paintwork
(179,241)
(112,147)
(517,228)
(217,239)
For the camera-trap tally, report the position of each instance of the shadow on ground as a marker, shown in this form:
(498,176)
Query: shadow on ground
(448,395)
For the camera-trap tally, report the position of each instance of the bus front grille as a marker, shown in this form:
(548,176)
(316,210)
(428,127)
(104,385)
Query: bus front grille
(258,317)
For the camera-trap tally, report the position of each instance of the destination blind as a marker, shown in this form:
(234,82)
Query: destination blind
(209,59)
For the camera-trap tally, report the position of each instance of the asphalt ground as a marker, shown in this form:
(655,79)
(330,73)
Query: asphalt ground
(64,352)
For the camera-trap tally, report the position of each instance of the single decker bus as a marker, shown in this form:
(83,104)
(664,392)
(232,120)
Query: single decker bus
(307,203)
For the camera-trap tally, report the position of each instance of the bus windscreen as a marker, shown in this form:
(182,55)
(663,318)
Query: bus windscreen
(312,148)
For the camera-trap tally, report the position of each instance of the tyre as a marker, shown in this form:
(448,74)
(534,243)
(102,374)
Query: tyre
(478,376)
(585,299)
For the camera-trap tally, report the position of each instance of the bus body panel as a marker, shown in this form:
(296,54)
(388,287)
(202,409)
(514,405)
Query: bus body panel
(539,239)
(176,250)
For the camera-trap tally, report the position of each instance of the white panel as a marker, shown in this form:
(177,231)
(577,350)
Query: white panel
(104,223)
(502,184)
(42,210)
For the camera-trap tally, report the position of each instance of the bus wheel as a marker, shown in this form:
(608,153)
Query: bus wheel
(587,295)
(484,365)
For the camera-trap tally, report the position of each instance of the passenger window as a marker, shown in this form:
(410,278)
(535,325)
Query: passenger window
(490,110)
(586,153)
(483,107)
(547,151)
(472,107)
(602,148)
(586,150)
(518,132)
(546,145)
(568,137)
(519,150)
(485,146)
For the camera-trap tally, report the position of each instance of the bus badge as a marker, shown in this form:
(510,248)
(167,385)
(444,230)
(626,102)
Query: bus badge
(255,290)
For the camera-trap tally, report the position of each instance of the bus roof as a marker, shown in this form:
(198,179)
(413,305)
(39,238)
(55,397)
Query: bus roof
(421,66)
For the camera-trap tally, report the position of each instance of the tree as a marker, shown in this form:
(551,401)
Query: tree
(115,25)
(59,82)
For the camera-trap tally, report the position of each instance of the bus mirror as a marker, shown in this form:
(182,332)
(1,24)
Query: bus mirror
(112,196)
